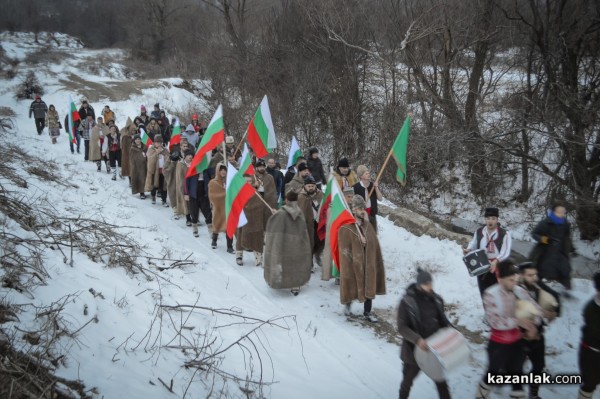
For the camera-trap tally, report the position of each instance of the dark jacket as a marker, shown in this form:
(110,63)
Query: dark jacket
(83,113)
(278,177)
(75,125)
(552,259)
(38,109)
(591,324)
(316,168)
(289,176)
(412,326)
(360,190)
(191,185)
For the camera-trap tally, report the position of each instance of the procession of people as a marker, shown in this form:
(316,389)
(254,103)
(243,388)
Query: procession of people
(289,232)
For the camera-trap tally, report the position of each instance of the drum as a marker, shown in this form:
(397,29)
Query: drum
(477,262)
(448,350)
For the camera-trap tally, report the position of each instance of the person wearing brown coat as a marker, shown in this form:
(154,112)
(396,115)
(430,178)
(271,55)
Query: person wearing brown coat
(182,168)
(95,153)
(297,183)
(251,237)
(127,134)
(216,196)
(287,266)
(309,201)
(157,156)
(345,176)
(362,275)
(266,188)
(170,173)
(138,166)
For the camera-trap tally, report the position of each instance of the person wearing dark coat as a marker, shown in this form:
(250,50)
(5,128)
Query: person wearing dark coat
(85,110)
(554,247)
(196,193)
(76,134)
(589,351)
(316,167)
(420,315)
(278,177)
(39,109)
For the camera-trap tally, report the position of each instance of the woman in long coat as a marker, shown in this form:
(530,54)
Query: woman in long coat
(127,134)
(138,166)
(53,123)
(362,275)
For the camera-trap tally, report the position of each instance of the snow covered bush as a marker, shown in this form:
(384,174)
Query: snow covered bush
(29,87)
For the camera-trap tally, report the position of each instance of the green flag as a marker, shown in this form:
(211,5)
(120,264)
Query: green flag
(399,151)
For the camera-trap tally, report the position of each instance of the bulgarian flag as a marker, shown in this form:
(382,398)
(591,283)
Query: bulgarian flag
(340,216)
(325,202)
(295,153)
(246,162)
(73,117)
(145,138)
(175,135)
(261,133)
(237,194)
(214,135)
(399,151)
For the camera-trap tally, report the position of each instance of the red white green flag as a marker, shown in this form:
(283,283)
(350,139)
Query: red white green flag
(214,135)
(145,138)
(175,135)
(340,216)
(399,151)
(73,117)
(261,133)
(325,202)
(246,162)
(237,194)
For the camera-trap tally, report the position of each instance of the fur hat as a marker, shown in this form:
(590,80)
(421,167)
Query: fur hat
(361,170)
(358,202)
(188,152)
(491,212)
(136,136)
(229,140)
(309,180)
(260,162)
(313,150)
(157,105)
(343,163)
(423,276)
(157,138)
(506,269)
(302,166)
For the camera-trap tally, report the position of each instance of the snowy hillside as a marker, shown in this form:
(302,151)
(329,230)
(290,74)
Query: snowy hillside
(169,300)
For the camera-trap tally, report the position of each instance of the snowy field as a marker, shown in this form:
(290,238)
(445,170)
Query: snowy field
(316,352)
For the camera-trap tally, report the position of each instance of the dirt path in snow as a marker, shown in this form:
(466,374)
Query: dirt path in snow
(115,91)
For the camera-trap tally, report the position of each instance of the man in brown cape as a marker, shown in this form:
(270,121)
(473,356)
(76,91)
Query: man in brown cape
(127,134)
(216,195)
(362,275)
(309,201)
(138,166)
(251,237)
(287,266)
(297,183)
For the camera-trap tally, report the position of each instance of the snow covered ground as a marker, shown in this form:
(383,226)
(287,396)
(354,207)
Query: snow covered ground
(317,352)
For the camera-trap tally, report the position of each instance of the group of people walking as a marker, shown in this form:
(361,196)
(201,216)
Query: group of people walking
(287,234)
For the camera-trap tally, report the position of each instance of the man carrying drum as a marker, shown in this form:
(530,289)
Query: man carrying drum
(497,244)
(420,315)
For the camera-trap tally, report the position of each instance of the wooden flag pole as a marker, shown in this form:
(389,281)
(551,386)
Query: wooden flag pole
(265,202)
(381,172)
(240,144)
